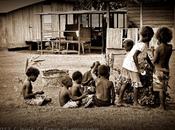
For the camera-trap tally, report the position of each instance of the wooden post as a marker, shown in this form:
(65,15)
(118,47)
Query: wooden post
(141,14)
(174,27)
(59,33)
(107,15)
(66,18)
(41,25)
(108,24)
(79,44)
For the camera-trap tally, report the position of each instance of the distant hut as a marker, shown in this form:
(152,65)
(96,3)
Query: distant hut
(19,22)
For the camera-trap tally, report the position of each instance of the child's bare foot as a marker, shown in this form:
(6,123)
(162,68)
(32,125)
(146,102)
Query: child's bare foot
(162,107)
(136,105)
(119,104)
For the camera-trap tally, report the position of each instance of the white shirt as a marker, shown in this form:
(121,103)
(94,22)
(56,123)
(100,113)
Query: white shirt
(128,62)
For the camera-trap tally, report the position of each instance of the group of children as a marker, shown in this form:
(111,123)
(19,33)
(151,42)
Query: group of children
(137,65)
(94,87)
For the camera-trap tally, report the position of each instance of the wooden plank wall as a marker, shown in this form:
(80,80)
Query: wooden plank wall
(23,24)
(153,14)
(2,31)
(133,13)
(114,38)
(55,22)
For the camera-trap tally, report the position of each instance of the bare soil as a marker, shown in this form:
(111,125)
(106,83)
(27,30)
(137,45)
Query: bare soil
(14,114)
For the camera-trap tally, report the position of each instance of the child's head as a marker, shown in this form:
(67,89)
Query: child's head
(104,70)
(164,35)
(128,44)
(32,73)
(67,81)
(77,76)
(146,33)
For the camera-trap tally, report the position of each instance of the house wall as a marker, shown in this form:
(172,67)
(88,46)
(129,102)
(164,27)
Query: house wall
(23,24)
(2,31)
(153,14)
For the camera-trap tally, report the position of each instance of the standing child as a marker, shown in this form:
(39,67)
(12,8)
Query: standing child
(30,97)
(127,76)
(161,61)
(66,99)
(142,60)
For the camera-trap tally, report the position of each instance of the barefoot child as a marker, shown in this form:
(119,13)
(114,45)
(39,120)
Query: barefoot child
(87,80)
(142,60)
(66,99)
(105,95)
(127,75)
(161,61)
(76,89)
(30,97)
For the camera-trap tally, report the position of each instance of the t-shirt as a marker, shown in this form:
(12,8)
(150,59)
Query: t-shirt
(128,62)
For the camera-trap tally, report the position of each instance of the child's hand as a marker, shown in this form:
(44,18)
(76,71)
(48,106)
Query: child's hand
(40,92)
(97,63)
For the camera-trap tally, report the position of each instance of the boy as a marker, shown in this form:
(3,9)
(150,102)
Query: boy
(105,95)
(87,80)
(76,89)
(66,99)
(142,60)
(161,61)
(30,97)
(127,76)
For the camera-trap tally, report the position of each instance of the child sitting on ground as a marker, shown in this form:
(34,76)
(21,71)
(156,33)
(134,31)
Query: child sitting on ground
(105,95)
(87,80)
(66,98)
(161,61)
(30,97)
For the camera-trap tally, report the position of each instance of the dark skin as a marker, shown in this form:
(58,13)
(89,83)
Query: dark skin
(76,88)
(135,57)
(161,61)
(162,56)
(87,77)
(27,88)
(123,87)
(104,88)
(65,94)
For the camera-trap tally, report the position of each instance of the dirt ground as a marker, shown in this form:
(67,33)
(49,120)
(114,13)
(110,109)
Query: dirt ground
(14,114)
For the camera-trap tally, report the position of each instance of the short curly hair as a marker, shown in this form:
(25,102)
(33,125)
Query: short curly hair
(128,43)
(32,71)
(103,70)
(146,33)
(66,80)
(76,75)
(164,35)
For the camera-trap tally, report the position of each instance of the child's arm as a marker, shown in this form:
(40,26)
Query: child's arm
(135,57)
(75,98)
(149,61)
(156,55)
(26,92)
(94,69)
